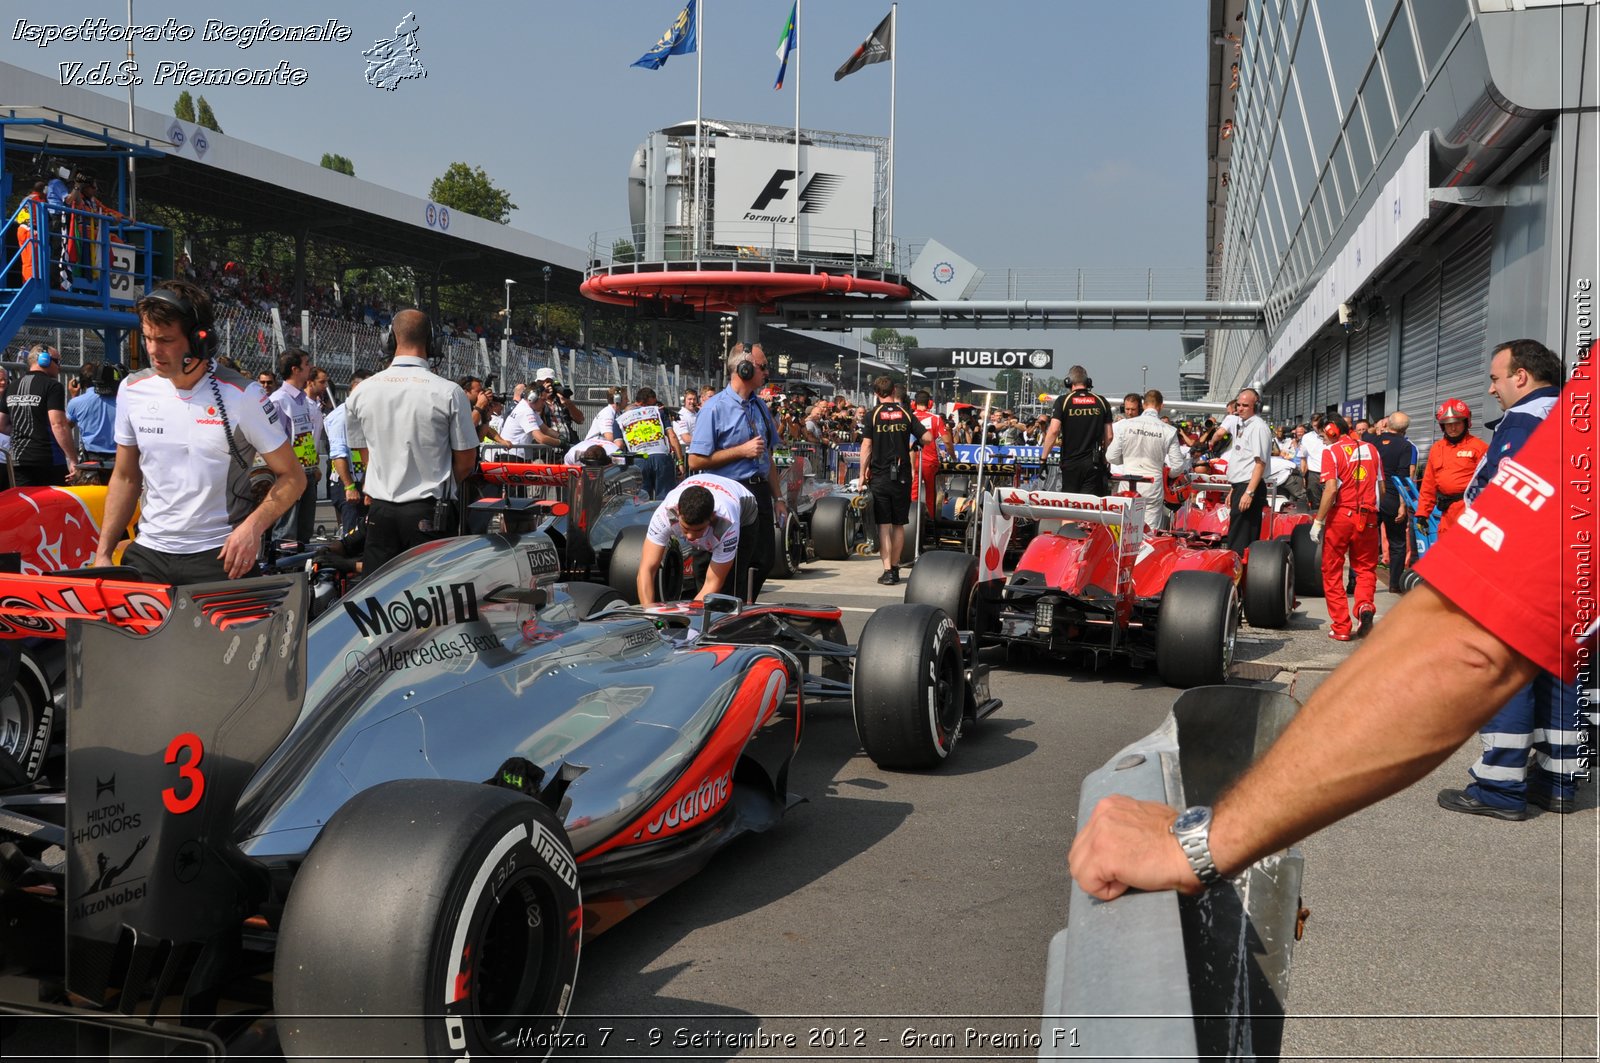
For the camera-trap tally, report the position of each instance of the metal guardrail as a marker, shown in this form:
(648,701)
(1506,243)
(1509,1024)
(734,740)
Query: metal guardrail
(755,245)
(1163,976)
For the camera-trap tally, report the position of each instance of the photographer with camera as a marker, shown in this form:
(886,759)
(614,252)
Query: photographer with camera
(552,401)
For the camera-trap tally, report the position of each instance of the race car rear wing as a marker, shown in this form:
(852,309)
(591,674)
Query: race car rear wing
(1208,482)
(39,606)
(1000,507)
(164,730)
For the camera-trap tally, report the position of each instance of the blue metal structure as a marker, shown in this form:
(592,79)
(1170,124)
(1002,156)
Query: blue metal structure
(85,292)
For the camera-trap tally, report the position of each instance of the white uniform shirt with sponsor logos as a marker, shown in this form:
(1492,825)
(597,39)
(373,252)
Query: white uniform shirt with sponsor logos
(520,425)
(194,490)
(302,423)
(1144,446)
(684,425)
(1251,440)
(410,421)
(574,454)
(729,500)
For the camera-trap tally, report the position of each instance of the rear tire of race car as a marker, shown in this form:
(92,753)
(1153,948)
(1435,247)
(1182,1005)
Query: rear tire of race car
(1195,629)
(946,579)
(788,548)
(623,572)
(27,715)
(449,911)
(833,525)
(1307,562)
(590,598)
(1269,583)
(909,693)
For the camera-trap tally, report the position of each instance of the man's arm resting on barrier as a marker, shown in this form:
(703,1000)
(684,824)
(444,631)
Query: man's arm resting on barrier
(1418,688)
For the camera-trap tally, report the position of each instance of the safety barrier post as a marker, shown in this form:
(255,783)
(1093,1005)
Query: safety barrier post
(1163,976)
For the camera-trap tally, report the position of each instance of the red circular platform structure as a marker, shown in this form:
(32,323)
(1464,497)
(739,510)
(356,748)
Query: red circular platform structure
(705,287)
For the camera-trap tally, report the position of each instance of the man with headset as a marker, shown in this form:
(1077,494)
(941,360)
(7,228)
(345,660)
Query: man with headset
(187,431)
(735,436)
(413,433)
(42,450)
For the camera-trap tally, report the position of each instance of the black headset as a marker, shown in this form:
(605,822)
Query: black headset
(391,344)
(202,343)
(745,367)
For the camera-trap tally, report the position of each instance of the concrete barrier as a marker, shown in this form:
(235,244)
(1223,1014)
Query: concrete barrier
(1159,975)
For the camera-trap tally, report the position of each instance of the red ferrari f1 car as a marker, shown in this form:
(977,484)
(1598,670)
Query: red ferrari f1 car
(1091,581)
(418,808)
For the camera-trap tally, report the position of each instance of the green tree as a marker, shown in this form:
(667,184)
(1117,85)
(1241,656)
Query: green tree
(468,188)
(343,165)
(205,117)
(184,108)
(1009,381)
(623,252)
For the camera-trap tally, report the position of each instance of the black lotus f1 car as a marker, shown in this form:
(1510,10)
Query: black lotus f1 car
(419,807)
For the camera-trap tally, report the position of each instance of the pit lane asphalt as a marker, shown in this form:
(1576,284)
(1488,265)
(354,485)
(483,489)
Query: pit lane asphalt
(907,914)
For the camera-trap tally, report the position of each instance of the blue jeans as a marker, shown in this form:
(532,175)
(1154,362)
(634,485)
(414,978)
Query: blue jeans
(660,475)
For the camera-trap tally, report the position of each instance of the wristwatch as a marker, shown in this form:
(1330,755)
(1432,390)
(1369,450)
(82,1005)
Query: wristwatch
(1192,828)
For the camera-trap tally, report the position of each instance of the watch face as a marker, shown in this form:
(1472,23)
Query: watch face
(1191,818)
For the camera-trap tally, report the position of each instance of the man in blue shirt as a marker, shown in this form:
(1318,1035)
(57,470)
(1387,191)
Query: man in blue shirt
(734,437)
(1531,747)
(94,413)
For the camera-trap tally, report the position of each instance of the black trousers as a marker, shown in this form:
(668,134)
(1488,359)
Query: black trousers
(1084,477)
(1244,525)
(175,569)
(760,556)
(41,475)
(1398,533)
(395,527)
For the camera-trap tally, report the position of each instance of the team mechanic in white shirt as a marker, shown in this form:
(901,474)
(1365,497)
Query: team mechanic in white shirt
(187,432)
(1144,446)
(301,418)
(1248,461)
(711,513)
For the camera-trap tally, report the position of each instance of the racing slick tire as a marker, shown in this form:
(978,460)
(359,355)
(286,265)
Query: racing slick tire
(449,911)
(1268,583)
(909,692)
(833,528)
(1307,562)
(788,548)
(627,554)
(1195,629)
(590,598)
(946,579)
(27,713)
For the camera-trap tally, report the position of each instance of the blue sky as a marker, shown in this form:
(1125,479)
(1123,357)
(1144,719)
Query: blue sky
(1029,133)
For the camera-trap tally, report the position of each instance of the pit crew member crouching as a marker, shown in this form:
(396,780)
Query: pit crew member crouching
(712,514)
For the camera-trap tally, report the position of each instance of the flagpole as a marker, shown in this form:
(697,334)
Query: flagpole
(699,132)
(799,181)
(894,59)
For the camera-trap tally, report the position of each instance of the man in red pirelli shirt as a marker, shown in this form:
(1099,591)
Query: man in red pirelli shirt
(1509,592)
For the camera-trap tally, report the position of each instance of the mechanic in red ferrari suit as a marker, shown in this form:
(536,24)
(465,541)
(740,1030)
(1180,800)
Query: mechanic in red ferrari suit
(1352,489)
(1442,662)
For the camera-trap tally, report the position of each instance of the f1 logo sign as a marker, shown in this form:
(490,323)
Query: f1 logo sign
(819,188)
